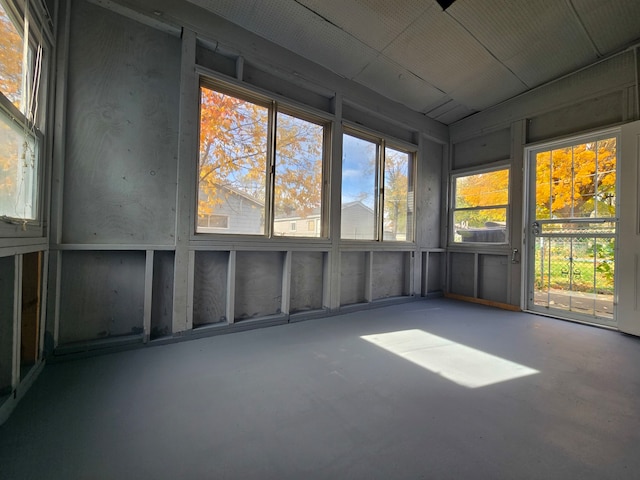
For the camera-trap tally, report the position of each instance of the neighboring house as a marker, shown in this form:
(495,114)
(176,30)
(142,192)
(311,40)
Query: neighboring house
(358,221)
(299,226)
(238,212)
(234,212)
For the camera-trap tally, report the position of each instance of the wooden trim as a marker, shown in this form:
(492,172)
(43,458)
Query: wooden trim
(481,301)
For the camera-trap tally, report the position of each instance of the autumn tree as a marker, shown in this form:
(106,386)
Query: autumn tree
(11,46)
(233,146)
(577,181)
(233,156)
(298,182)
(10,86)
(480,192)
(396,191)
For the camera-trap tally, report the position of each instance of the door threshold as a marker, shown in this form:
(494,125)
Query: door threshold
(573,320)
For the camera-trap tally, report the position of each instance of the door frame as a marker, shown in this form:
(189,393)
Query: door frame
(527,257)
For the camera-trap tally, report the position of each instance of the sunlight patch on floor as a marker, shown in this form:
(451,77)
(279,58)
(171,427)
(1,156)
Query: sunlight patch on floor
(463,365)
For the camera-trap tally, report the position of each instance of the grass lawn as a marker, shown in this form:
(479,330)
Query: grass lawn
(578,275)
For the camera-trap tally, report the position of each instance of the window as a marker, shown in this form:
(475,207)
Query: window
(212,222)
(260,164)
(480,207)
(377,190)
(21,56)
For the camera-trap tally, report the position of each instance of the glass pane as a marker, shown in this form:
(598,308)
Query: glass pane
(603,250)
(482,189)
(298,179)
(397,203)
(359,160)
(561,183)
(18,172)
(542,275)
(582,181)
(605,196)
(232,164)
(584,167)
(575,274)
(11,48)
(543,185)
(481,225)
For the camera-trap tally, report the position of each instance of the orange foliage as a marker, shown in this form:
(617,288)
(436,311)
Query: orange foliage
(233,155)
(484,189)
(11,47)
(577,181)
(10,85)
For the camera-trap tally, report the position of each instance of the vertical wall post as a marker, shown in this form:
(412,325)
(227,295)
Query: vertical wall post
(335,205)
(517,202)
(56,177)
(368,276)
(148,296)
(188,129)
(231,287)
(286,283)
(17,327)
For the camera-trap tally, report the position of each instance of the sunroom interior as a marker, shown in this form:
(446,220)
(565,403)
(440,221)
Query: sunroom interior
(178,170)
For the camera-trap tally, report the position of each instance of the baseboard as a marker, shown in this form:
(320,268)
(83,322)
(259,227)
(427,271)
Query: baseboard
(482,301)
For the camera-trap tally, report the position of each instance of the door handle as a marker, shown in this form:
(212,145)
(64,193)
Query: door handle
(514,256)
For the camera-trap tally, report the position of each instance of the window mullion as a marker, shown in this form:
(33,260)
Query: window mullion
(270,174)
(380,193)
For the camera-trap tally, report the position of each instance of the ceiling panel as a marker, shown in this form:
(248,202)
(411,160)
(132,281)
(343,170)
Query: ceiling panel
(449,111)
(296,28)
(439,50)
(492,86)
(599,15)
(388,78)
(375,22)
(538,41)
(446,64)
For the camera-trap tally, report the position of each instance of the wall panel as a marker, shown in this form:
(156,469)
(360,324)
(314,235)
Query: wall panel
(210,287)
(258,284)
(390,273)
(307,280)
(587,115)
(101,295)
(7,290)
(433,271)
(493,277)
(162,294)
(353,277)
(482,149)
(120,169)
(462,274)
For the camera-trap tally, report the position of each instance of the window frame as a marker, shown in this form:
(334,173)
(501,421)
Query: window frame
(383,142)
(31,121)
(469,172)
(275,104)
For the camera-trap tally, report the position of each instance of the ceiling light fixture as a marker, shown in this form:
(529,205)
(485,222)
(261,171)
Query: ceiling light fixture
(445,3)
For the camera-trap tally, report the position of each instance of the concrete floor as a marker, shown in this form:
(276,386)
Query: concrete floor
(313,400)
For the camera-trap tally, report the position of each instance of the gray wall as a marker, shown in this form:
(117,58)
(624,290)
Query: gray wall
(122,131)
(7,281)
(127,190)
(601,96)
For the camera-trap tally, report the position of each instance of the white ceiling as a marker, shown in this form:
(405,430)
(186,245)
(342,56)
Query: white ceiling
(445,64)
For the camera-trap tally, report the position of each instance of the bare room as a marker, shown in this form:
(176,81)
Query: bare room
(287,239)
